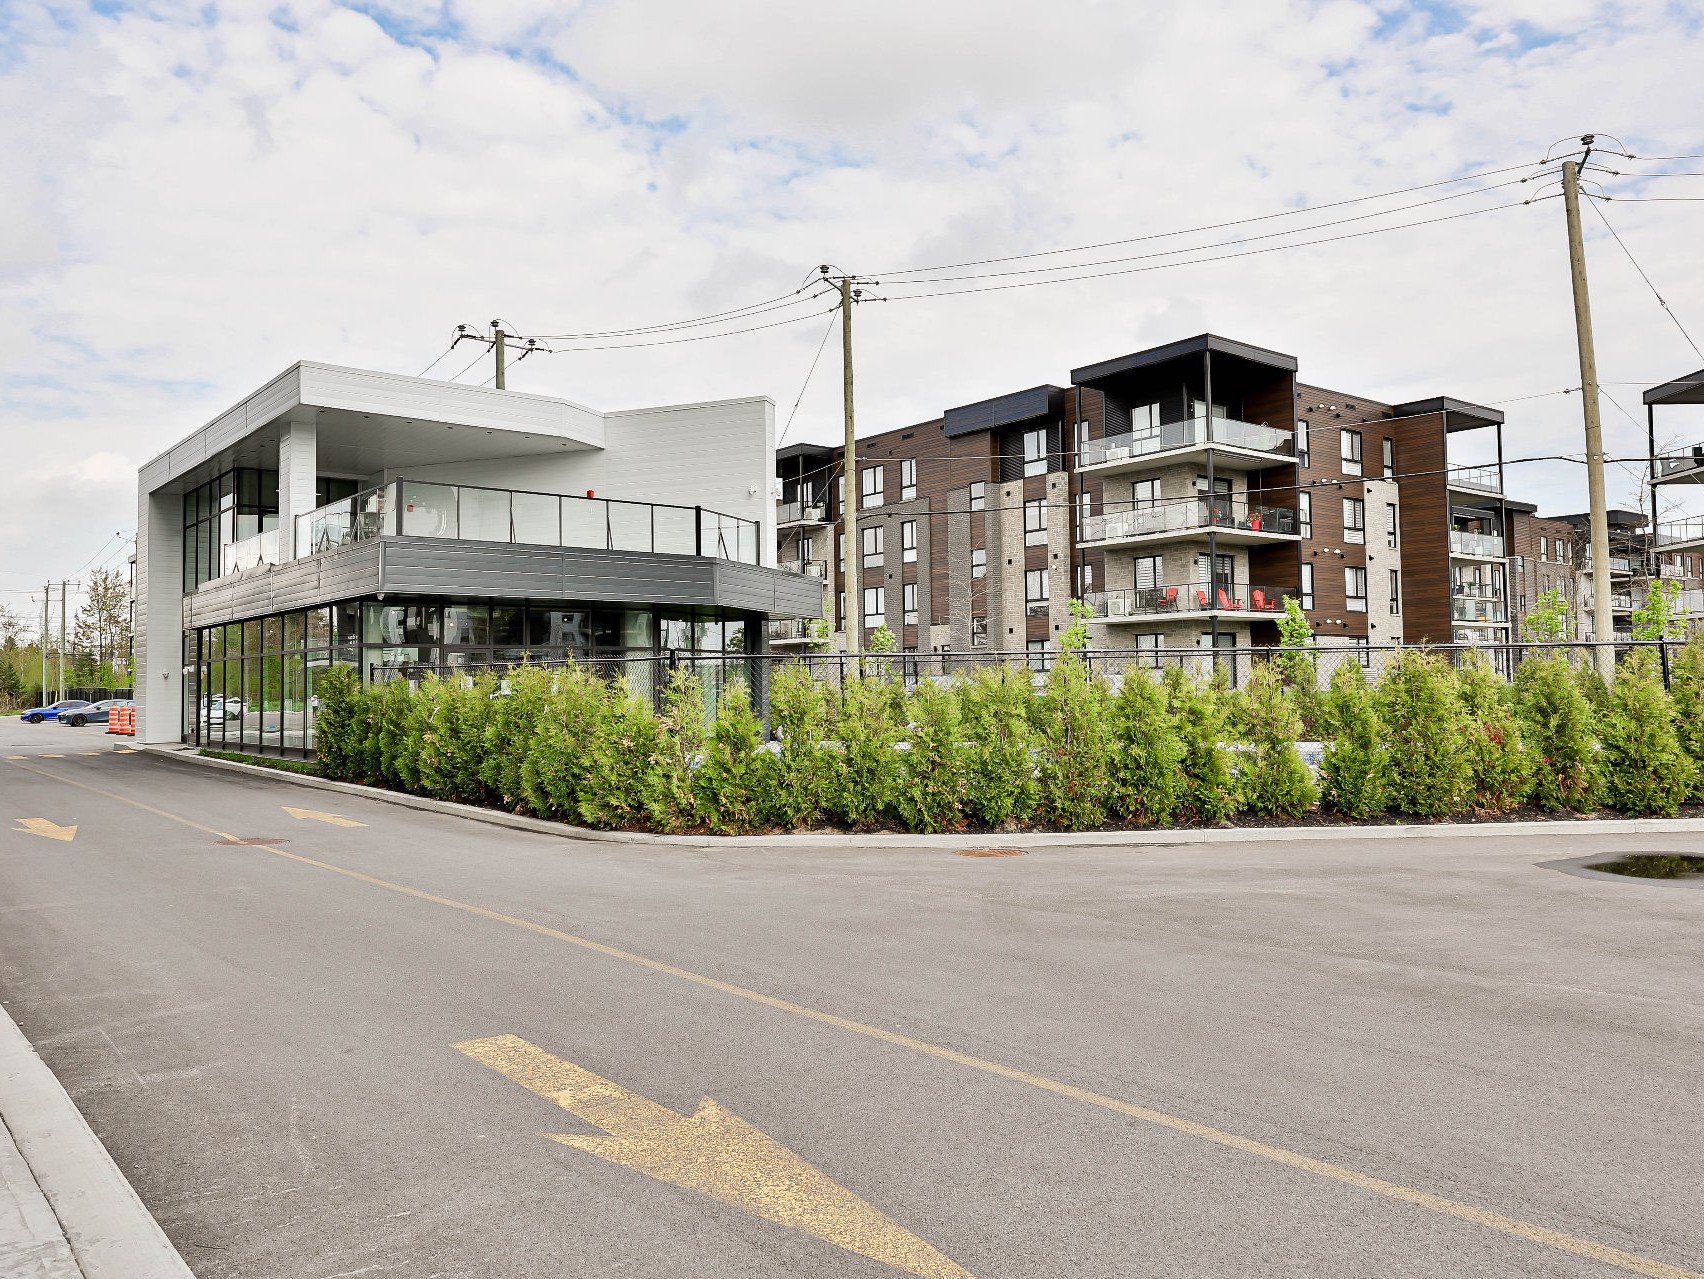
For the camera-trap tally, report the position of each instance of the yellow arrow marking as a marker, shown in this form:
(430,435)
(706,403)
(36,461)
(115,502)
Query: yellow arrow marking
(313,815)
(46,829)
(715,1153)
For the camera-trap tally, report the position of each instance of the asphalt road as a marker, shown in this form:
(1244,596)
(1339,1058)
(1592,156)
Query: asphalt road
(1391,1058)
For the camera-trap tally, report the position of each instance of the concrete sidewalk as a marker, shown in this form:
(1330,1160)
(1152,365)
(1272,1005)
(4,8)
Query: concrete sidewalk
(66,1211)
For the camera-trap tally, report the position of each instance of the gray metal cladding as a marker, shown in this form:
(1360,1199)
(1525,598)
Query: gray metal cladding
(1003,410)
(491,570)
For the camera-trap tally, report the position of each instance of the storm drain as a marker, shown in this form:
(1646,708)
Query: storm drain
(1654,866)
(989,852)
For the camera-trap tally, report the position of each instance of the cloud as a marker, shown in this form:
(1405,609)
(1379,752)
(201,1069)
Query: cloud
(199,194)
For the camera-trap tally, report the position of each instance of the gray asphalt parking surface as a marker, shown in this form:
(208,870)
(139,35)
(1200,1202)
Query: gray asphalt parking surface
(1335,1058)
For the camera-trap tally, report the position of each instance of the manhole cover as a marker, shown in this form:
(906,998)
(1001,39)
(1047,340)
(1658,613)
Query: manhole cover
(252,843)
(990,852)
(1653,866)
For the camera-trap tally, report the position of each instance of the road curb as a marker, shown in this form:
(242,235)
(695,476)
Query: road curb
(1025,839)
(110,1233)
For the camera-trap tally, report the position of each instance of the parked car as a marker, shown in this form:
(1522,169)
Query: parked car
(94,712)
(224,707)
(37,714)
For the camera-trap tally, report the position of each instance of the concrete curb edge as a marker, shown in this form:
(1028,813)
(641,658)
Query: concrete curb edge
(110,1231)
(1026,840)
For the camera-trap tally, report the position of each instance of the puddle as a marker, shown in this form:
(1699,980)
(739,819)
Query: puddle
(1654,866)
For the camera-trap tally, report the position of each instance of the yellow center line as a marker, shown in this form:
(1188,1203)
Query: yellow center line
(1632,1263)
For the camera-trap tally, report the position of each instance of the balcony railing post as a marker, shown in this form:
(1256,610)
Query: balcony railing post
(698,530)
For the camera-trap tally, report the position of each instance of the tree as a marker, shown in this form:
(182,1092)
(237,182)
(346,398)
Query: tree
(1547,622)
(1076,636)
(103,622)
(1645,769)
(1296,662)
(12,628)
(1658,618)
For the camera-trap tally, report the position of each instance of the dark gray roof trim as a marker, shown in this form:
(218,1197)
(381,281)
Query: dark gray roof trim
(1176,350)
(823,451)
(1480,415)
(1686,390)
(1003,410)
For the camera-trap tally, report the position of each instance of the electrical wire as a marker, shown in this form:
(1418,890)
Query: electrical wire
(1647,279)
(475,360)
(434,364)
(1221,257)
(737,312)
(1213,226)
(821,346)
(1199,248)
(699,337)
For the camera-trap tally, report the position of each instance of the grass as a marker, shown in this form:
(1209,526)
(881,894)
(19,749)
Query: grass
(305,766)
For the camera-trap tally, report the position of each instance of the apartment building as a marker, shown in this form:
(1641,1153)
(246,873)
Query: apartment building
(405,526)
(1678,544)
(1183,492)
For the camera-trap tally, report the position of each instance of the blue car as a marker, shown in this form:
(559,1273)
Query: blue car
(93,713)
(39,713)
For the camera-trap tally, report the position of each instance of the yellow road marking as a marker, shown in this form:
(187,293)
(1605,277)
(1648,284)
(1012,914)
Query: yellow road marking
(17,757)
(91,752)
(713,1152)
(46,829)
(1632,1263)
(46,755)
(314,815)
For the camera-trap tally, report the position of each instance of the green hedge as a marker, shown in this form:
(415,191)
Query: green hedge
(1007,749)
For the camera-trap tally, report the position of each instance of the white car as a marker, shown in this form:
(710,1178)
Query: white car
(224,708)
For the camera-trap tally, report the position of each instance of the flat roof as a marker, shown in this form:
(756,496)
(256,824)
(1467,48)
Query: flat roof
(1197,345)
(1685,390)
(804,450)
(369,421)
(1476,415)
(1617,518)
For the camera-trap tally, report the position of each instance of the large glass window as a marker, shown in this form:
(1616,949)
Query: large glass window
(1035,451)
(908,479)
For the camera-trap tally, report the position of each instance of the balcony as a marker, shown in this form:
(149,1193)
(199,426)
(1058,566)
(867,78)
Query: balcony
(1684,535)
(1236,445)
(808,568)
(791,631)
(1188,601)
(411,508)
(1482,546)
(1235,523)
(800,514)
(1478,604)
(1689,603)
(1684,468)
(1476,479)
(251,552)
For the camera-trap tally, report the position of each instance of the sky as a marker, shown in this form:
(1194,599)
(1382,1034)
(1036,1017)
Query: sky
(196,195)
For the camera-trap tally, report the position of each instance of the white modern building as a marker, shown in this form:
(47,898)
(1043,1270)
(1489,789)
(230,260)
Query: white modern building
(404,526)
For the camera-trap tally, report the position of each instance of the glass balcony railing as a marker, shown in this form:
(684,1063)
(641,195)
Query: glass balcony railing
(251,552)
(1484,479)
(1147,602)
(1483,544)
(1680,532)
(414,508)
(1478,605)
(790,631)
(1200,515)
(810,512)
(1690,603)
(1690,464)
(809,568)
(1191,433)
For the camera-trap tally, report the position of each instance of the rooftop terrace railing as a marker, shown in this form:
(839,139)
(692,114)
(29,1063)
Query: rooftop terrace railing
(1482,478)
(417,508)
(1485,544)
(1190,433)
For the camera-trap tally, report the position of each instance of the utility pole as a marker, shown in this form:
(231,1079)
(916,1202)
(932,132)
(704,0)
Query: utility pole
(854,570)
(62,594)
(498,325)
(1603,621)
(46,594)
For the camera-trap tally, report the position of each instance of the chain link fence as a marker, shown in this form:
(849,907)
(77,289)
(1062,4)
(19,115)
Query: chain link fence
(647,674)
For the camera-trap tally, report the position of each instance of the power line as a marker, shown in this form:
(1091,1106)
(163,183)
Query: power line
(780,303)
(434,364)
(1647,279)
(1075,266)
(1213,226)
(699,337)
(821,346)
(1221,257)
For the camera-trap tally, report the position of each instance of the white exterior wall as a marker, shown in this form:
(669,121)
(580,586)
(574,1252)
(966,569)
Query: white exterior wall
(159,617)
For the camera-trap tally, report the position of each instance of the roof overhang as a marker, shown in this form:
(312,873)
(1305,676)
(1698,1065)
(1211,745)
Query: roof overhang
(1686,390)
(371,422)
(1003,410)
(1090,374)
(1458,415)
(806,452)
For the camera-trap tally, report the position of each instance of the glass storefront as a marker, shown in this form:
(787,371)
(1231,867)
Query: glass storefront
(251,684)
